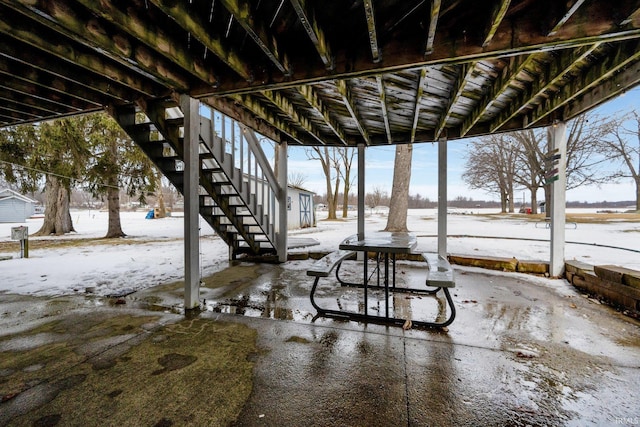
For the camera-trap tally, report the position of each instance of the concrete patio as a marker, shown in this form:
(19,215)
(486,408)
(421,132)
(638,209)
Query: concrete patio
(523,350)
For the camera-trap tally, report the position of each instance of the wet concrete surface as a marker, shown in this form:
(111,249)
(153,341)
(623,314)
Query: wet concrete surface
(522,351)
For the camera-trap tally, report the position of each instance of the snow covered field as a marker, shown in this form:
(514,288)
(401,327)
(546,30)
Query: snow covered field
(153,252)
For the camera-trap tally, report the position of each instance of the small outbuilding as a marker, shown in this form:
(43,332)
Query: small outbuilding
(14,207)
(300,211)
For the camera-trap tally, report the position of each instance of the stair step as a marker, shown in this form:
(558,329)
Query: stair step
(177,121)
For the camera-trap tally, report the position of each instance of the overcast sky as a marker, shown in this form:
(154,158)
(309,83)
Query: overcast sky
(424,172)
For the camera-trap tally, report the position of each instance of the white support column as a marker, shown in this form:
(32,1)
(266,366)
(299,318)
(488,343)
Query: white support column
(189,108)
(442,197)
(361,192)
(558,136)
(281,175)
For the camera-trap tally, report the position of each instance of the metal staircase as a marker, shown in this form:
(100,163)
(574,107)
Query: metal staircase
(238,190)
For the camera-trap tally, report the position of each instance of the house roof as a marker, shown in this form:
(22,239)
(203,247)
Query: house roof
(7,193)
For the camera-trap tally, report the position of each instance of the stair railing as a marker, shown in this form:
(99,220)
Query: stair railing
(238,151)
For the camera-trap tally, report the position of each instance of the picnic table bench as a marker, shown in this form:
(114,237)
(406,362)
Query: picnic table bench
(547,224)
(439,276)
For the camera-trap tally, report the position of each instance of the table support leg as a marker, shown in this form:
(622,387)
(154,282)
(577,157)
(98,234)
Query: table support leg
(394,271)
(366,282)
(386,285)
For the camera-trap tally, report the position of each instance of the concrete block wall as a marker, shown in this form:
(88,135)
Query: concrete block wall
(618,286)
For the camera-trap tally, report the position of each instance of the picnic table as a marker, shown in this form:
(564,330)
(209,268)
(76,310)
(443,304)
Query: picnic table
(386,246)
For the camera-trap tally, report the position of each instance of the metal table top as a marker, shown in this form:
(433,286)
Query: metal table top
(385,242)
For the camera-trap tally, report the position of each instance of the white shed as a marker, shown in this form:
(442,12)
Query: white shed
(14,207)
(301,213)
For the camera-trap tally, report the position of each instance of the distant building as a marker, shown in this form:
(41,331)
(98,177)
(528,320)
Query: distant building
(300,212)
(14,207)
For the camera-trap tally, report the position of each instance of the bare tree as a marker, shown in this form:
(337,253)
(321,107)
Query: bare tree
(376,197)
(397,220)
(330,167)
(498,162)
(297,179)
(346,156)
(583,162)
(622,132)
(530,163)
(491,165)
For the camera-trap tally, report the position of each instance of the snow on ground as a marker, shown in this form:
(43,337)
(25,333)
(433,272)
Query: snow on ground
(153,251)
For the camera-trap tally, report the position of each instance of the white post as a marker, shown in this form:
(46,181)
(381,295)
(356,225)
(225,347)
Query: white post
(361,191)
(361,197)
(281,175)
(558,145)
(189,108)
(442,197)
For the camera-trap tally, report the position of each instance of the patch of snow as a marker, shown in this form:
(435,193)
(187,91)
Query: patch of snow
(153,252)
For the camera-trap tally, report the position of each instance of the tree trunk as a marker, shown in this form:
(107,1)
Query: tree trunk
(637,194)
(397,220)
(503,202)
(57,219)
(113,203)
(162,210)
(511,201)
(547,201)
(331,207)
(345,204)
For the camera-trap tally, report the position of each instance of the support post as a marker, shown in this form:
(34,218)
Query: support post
(557,133)
(281,175)
(189,108)
(442,197)
(361,196)
(361,191)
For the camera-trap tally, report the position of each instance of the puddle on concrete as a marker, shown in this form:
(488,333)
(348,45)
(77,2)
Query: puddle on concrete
(283,294)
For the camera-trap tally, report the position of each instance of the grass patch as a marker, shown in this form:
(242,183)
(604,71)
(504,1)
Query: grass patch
(55,243)
(580,218)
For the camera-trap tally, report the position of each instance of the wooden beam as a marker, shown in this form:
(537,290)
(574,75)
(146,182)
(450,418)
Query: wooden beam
(416,108)
(311,96)
(21,116)
(290,110)
(50,101)
(13,118)
(235,110)
(633,17)
(464,73)
(347,97)
(383,105)
(307,18)
(617,85)
(47,42)
(7,103)
(259,33)
(553,73)
(40,67)
(515,66)
(409,53)
(66,20)
(194,25)
(370,15)
(153,37)
(67,94)
(433,24)
(497,15)
(565,17)
(256,107)
(622,57)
